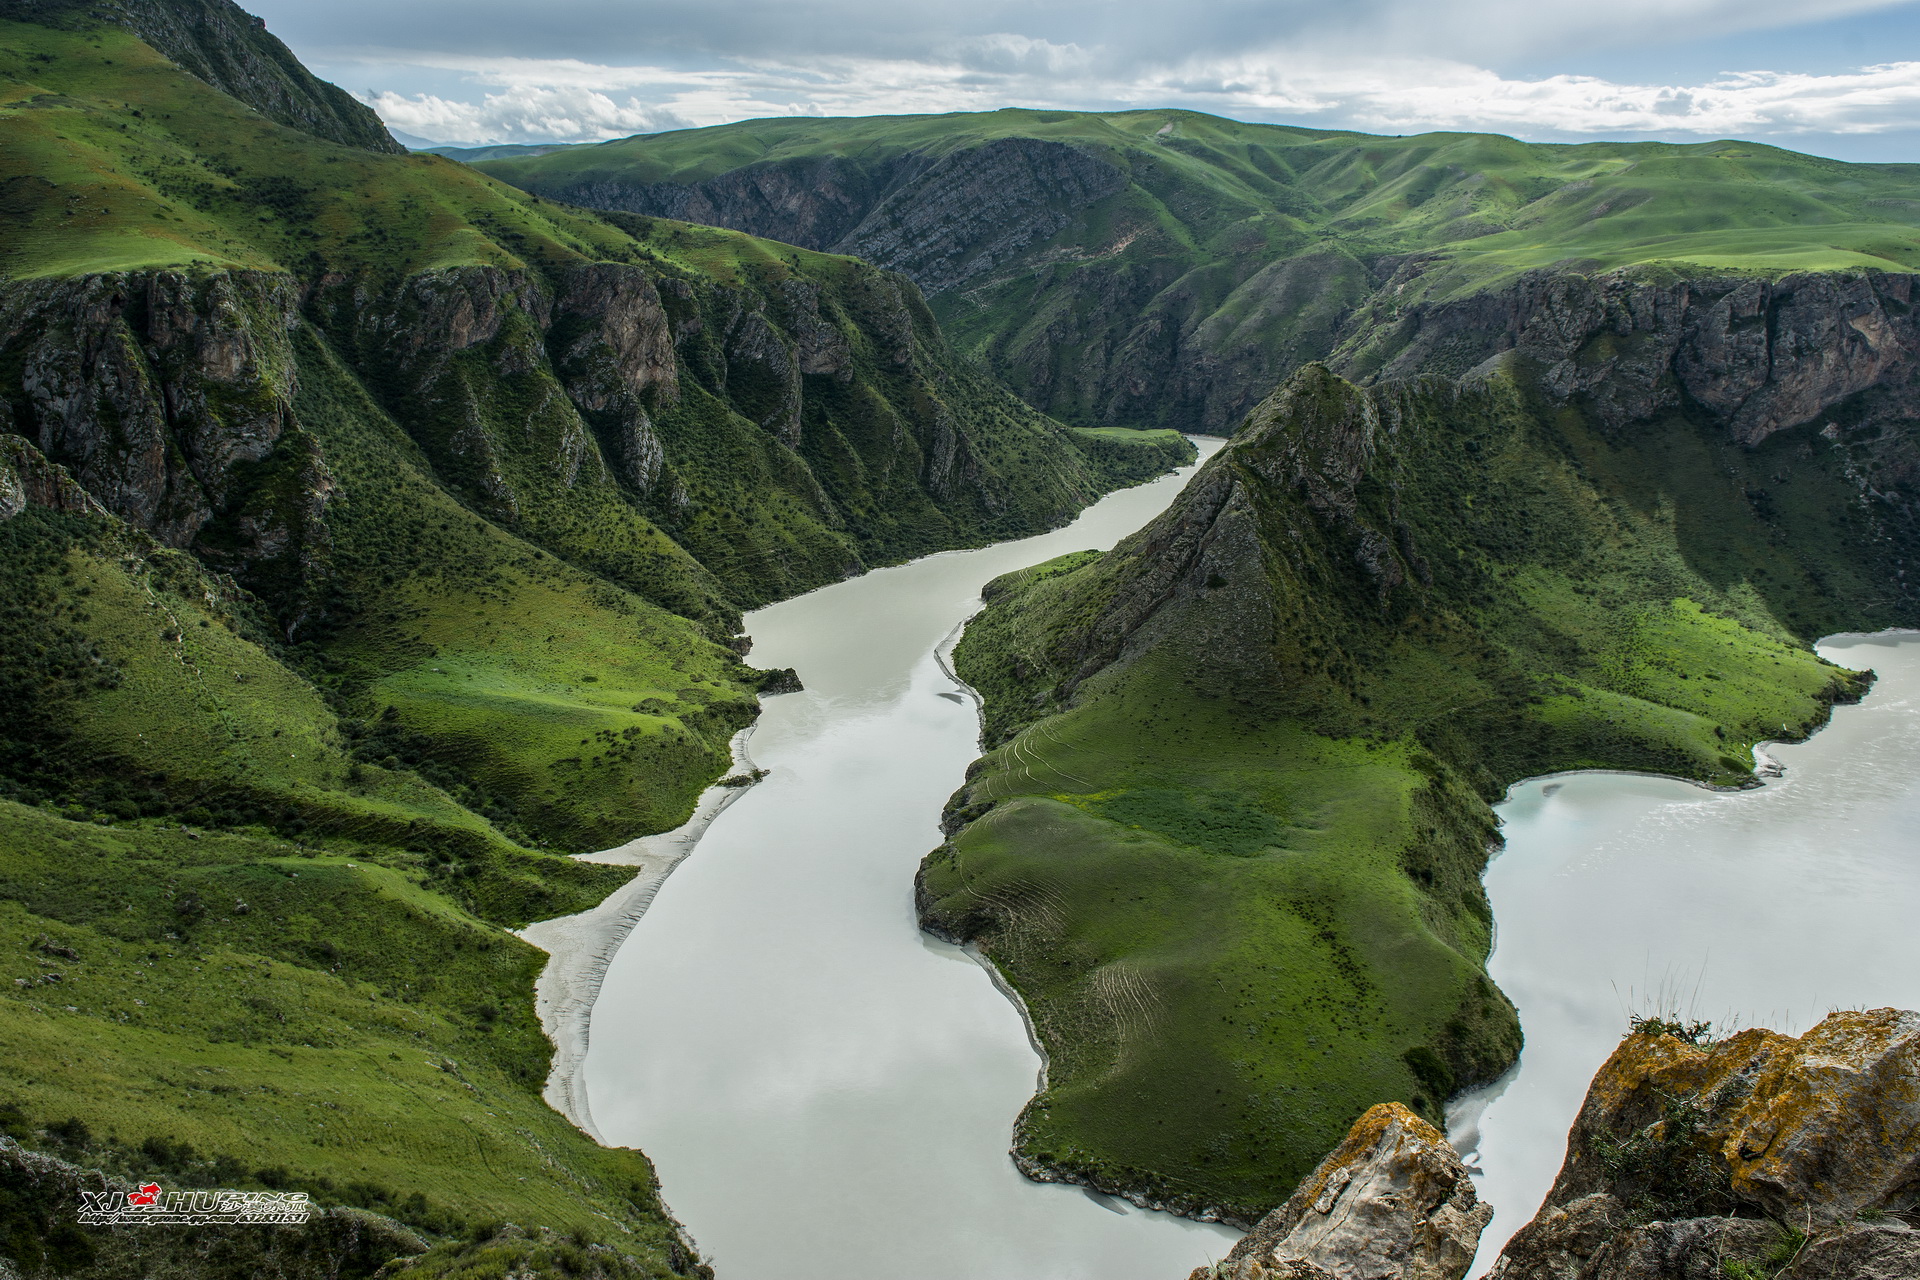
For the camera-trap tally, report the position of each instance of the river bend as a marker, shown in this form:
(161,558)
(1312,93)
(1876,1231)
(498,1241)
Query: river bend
(828,1094)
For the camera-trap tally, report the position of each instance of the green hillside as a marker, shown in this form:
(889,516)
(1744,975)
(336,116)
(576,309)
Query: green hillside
(1228,843)
(1166,267)
(371,534)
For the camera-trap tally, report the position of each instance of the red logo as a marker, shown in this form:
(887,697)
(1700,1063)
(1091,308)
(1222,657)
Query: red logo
(147,1195)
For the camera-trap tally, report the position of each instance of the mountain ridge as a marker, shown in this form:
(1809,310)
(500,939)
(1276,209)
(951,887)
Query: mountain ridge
(1168,267)
(232,51)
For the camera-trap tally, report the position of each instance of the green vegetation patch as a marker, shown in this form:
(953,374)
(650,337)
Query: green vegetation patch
(257,1012)
(1220,822)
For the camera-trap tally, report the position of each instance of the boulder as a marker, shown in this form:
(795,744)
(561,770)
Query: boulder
(1759,1155)
(1393,1202)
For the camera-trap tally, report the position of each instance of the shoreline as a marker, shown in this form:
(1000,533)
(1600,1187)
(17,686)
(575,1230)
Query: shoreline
(1765,765)
(580,947)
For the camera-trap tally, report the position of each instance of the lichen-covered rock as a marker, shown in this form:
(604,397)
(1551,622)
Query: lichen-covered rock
(1393,1202)
(1684,1155)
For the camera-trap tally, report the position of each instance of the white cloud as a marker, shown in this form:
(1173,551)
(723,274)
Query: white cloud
(1450,96)
(571,100)
(524,114)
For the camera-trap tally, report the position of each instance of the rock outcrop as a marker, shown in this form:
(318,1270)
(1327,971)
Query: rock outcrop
(1392,1201)
(153,387)
(28,480)
(1754,354)
(1760,1155)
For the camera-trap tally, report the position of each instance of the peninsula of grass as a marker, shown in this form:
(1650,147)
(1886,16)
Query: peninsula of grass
(1228,841)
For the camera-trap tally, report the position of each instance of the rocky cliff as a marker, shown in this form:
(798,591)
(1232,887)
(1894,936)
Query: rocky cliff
(1168,268)
(1755,356)
(1392,1200)
(1757,1155)
(581,407)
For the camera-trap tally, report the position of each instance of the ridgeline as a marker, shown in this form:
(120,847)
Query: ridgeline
(1168,268)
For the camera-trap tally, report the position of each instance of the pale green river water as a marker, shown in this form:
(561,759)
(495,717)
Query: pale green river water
(1619,894)
(828,1093)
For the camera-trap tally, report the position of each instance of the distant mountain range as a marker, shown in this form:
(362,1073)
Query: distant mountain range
(1167,268)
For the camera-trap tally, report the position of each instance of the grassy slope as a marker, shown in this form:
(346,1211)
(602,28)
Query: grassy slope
(581,710)
(1236,872)
(117,161)
(474,686)
(1256,238)
(322,999)
(246,1021)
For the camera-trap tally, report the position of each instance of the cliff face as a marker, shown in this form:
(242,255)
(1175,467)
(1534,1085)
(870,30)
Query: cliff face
(231,50)
(154,389)
(1755,356)
(1169,268)
(1757,1155)
(172,399)
(943,222)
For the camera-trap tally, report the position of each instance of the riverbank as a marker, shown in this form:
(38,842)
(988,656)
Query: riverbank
(581,946)
(1621,894)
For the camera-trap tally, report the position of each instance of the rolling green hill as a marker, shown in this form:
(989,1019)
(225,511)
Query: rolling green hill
(1167,267)
(371,534)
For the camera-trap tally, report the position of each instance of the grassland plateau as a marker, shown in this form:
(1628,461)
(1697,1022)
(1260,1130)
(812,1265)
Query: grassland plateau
(372,534)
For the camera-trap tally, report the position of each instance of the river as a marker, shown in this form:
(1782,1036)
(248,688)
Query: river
(828,1094)
(1619,894)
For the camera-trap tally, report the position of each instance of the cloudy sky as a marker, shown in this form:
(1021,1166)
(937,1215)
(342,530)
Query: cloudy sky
(1835,77)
